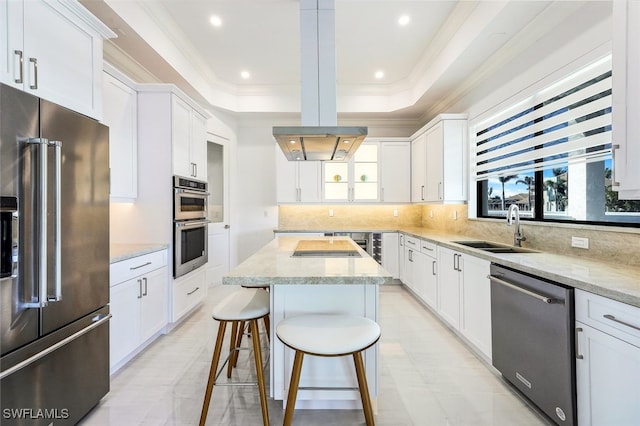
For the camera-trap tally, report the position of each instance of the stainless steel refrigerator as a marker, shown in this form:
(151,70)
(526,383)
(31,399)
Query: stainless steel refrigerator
(54,287)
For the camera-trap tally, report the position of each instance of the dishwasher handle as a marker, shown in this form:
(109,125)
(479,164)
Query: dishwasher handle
(540,297)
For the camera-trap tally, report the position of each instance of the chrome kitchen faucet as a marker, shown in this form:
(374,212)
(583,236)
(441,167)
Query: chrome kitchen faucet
(518,236)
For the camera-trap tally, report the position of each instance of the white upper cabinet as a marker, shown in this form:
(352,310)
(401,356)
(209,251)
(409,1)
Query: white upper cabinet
(418,168)
(189,137)
(120,113)
(395,173)
(356,180)
(626,98)
(297,182)
(439,161)
(53,50)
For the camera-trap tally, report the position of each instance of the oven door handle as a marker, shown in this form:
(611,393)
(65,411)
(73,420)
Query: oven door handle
(191,192)
(540,297)
(191,224)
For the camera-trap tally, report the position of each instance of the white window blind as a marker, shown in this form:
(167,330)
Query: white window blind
(567,121)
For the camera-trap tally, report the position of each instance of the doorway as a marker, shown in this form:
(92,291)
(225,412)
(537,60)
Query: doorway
(218,210)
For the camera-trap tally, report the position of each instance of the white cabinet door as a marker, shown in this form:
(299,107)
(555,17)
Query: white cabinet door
(188,291)
(390,254)
(120,113)
(434,166)
(420,268)
(309,175)
(607,378)
(53,51)
(626,98)
(418,168)
(286,179)
(124,326)
(153,305)
(449,263)
(401,256)
(181,137)
(12,43)
(395,173)
(408,268)
(430,282)
(198,145)
(297,182)
(475,321)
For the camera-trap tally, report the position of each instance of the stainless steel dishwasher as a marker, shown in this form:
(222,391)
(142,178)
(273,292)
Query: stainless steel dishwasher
(532,340)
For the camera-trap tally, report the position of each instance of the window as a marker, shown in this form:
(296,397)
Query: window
(550,154)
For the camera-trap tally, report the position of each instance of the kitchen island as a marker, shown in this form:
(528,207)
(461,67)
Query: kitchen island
(316,284)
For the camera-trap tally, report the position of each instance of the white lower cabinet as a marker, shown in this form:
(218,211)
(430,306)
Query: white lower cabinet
(449,278)
(464,296)
(607,361)
(475,303)
(428,267)
(188,291)
(390,255)
(138,305)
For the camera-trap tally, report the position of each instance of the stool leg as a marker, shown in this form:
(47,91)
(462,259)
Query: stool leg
(212,372)
(233,361)
(364,389)
(293,388)
(257,352)
(233,348)
(267,326)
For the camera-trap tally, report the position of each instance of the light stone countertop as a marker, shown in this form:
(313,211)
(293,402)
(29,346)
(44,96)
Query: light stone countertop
(617,282)
(120,252)
(274,264)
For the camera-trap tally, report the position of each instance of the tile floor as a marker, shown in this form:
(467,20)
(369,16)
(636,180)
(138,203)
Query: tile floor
(427,377)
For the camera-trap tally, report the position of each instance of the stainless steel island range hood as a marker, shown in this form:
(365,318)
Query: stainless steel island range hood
(319,138)
(319,143)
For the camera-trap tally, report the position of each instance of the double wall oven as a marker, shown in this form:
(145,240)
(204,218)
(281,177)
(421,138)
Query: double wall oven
(190,246)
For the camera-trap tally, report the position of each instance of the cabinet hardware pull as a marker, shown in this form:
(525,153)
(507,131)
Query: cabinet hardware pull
(19,79)
(540,297)
(139,266)
(139,289)
(191,292)
(440,191)
(578,331)
(612,318)
(145,286)
(433,267)
(34,61)
(422,192)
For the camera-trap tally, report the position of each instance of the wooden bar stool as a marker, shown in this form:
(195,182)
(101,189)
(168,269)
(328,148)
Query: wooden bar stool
(244,305)
(328,335)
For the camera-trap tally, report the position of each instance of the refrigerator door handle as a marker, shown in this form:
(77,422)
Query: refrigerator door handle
(39,160)
(57,295)
(97,321)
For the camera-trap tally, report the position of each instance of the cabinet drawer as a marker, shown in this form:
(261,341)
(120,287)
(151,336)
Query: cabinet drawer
(412,242)
(428,248)
(136,266)
(188,291)
(615,318)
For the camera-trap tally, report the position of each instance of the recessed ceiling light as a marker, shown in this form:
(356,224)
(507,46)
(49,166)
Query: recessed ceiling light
(215,20)
(379,74)
(245,74)
(403,20)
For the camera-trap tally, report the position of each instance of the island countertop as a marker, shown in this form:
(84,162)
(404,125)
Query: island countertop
(274,264)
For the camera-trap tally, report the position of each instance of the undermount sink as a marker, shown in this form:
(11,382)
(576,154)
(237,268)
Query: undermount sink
(493,247)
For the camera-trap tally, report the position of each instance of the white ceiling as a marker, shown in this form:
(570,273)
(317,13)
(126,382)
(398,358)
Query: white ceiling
(447,49)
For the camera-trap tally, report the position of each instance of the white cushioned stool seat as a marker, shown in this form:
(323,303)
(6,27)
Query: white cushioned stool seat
(242,305)
(328,334)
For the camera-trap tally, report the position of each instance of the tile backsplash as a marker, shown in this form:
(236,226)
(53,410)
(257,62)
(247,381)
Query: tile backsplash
(614,245)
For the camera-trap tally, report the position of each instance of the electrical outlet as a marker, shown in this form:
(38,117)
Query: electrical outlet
(580,242)
(431,214)
(455,215)
(330,212)
(395,212)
